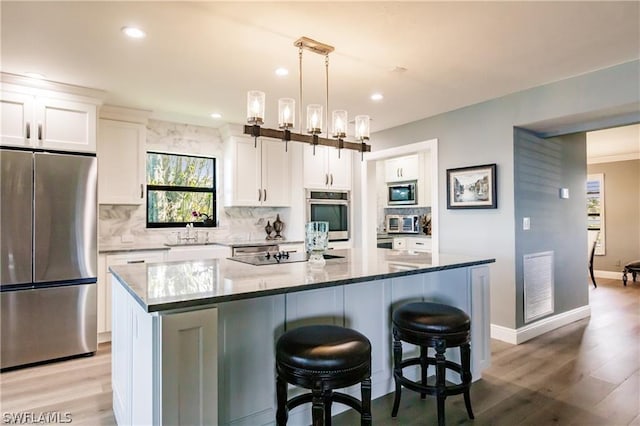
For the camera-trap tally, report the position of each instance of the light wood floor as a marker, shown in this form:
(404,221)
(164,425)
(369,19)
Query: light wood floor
(586,373)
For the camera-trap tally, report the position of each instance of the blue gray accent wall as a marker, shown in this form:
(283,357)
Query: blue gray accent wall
(483,134)
(541,168)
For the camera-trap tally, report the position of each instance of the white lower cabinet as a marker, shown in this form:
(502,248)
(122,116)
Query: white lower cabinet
(164,366)
(421,244)
(104,283)
(198,252)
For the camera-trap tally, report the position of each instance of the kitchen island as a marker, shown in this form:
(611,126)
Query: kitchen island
(192,342)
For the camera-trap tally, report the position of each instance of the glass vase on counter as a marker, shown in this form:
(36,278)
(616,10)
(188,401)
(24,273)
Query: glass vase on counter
(316,241)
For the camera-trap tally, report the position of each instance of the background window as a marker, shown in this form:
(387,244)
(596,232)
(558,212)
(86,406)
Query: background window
(177,186)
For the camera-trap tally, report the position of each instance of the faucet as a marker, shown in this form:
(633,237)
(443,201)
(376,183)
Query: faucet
(188,236)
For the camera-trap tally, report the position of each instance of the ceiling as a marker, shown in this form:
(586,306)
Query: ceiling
(614,144)
(426,58)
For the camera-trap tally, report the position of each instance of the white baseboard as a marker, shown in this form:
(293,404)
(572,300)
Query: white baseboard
(104,337)
(608,274)
(538,328)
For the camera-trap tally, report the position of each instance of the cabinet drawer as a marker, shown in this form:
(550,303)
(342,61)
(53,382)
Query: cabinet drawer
(136,257)
(419,244)
(399,243)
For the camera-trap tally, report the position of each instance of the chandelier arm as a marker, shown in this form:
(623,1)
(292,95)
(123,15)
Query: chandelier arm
(307,138)
(326,111)
(300,89)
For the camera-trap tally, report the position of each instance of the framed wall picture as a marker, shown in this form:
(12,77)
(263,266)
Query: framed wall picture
(472,187)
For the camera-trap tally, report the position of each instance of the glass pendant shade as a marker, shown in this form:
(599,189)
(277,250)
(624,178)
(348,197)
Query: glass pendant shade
(362,127)
(286,113)
(255,107)
(314,119)
(339,123)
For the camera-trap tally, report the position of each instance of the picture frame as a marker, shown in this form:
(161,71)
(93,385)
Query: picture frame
(472,187)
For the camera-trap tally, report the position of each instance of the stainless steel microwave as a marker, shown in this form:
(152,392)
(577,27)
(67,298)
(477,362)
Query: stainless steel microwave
(402,193)
(403,224)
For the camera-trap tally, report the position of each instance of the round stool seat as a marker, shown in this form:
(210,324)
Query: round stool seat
(323,348)
(431,318)
(323,358)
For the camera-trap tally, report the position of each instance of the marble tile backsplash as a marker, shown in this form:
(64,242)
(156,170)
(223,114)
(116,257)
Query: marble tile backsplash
(236,223)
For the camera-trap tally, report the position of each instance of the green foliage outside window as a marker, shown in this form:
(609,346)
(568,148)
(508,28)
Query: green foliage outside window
(178,186)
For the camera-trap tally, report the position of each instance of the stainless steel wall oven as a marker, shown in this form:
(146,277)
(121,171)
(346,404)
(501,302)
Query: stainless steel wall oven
(333,207)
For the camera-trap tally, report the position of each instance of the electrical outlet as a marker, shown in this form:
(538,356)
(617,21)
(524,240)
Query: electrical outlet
(126,238)
(526,223)
(618,263)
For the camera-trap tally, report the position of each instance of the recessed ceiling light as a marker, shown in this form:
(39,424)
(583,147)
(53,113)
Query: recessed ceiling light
(377,97)
(216,115)
(35,75)
(133,32)
(282,72)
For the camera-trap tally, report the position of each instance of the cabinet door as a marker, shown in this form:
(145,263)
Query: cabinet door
(121,162)
(402,169)
(339,168)
(409,168)
(66,125)
(16,115)
(392,170)
(315,167)
(276,180)
(247,165)
(247,331)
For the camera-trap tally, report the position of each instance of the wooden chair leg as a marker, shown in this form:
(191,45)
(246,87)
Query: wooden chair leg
(365,390)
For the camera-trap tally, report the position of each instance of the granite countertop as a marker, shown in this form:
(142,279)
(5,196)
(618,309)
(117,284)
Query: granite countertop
(173,285)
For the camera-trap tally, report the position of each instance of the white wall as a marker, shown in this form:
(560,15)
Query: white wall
(483,133)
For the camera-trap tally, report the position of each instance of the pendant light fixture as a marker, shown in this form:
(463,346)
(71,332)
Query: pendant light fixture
(314,118)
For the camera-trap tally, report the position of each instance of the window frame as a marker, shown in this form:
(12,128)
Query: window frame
(197,223)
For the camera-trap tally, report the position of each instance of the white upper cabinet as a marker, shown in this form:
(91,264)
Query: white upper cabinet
(46,119)
(16,113)
(325,170)
(121,162)
(402,169)
(256,175)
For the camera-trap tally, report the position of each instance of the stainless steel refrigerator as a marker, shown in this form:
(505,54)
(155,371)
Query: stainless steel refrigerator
(48,256)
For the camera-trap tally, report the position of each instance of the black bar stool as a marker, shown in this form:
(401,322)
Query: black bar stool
(432,325)
(323,358)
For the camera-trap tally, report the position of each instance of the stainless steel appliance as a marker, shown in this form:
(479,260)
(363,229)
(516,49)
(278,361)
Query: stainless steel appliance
(402,193)
(48,256)
(259,250)
(403,224)
(274,258)
(332,207)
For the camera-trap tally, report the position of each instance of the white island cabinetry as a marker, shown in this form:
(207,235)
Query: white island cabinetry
(237,312)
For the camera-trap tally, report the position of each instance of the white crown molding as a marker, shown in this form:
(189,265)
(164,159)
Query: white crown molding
(613,158)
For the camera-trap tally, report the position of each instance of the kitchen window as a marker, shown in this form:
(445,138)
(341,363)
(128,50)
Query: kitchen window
(181,189)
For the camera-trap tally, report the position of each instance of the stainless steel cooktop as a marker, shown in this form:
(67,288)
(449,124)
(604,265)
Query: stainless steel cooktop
(278,257)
